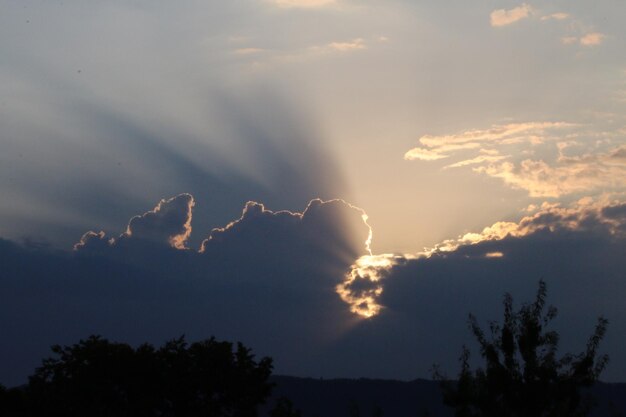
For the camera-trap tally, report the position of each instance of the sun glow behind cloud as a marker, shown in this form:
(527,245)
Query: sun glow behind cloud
(362,285)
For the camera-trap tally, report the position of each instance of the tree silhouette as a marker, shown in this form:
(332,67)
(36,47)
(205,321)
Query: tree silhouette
(96,378)
(13,402)
(284,408)
(522,375)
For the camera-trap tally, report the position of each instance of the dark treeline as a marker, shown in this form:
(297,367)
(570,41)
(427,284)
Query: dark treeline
(99,378)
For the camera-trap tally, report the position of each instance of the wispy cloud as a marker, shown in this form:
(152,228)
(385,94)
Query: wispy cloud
(556,16)
(584,35)
(423,154)
(592,39)
(303,3)
(503,17)
(589,39)
(563,158)
(248,51)
(352,45)
(477,160)
(438,147)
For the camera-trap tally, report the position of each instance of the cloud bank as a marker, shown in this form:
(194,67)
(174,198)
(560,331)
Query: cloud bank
(304,287)
(266,273)
(425,297)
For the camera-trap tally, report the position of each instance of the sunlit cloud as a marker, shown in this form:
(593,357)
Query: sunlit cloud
(570,175)
(169,223)
(546,159)
(90,237)
(503,17)
(585,214)
(495,134)
(423,154)
(589,39)
(363,286)
(592,39)
(477,160)
(353,45)
(438,152)
(556,16)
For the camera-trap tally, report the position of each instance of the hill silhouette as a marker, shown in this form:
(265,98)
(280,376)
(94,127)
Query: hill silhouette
(417,398)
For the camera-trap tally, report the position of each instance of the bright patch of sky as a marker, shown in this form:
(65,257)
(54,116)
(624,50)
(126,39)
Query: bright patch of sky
(437,119)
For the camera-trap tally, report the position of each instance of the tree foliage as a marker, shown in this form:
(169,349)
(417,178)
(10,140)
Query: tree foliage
(284,408)
(98,378)
(523,377)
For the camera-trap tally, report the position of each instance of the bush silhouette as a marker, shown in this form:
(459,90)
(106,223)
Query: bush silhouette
(98,378)
(522,375)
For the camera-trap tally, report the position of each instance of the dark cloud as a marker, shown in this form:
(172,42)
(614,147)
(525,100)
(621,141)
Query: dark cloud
(169,223)
(579,251)
(267,279)
(289,285)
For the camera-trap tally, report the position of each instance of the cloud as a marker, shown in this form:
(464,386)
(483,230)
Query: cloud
(589,39)
(556,16)
(502,17)
(423,299)
(266,273)
(442,146)
(363,284)
(353,45)
(477,160)
(571,175)
(496,133)
(333,226)
(584,215)
(303,3)
(592,39)
(169,223)
(423,154)
(564,160)
(299,285)
(248,51)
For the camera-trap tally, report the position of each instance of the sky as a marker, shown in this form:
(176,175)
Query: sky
(252,168)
